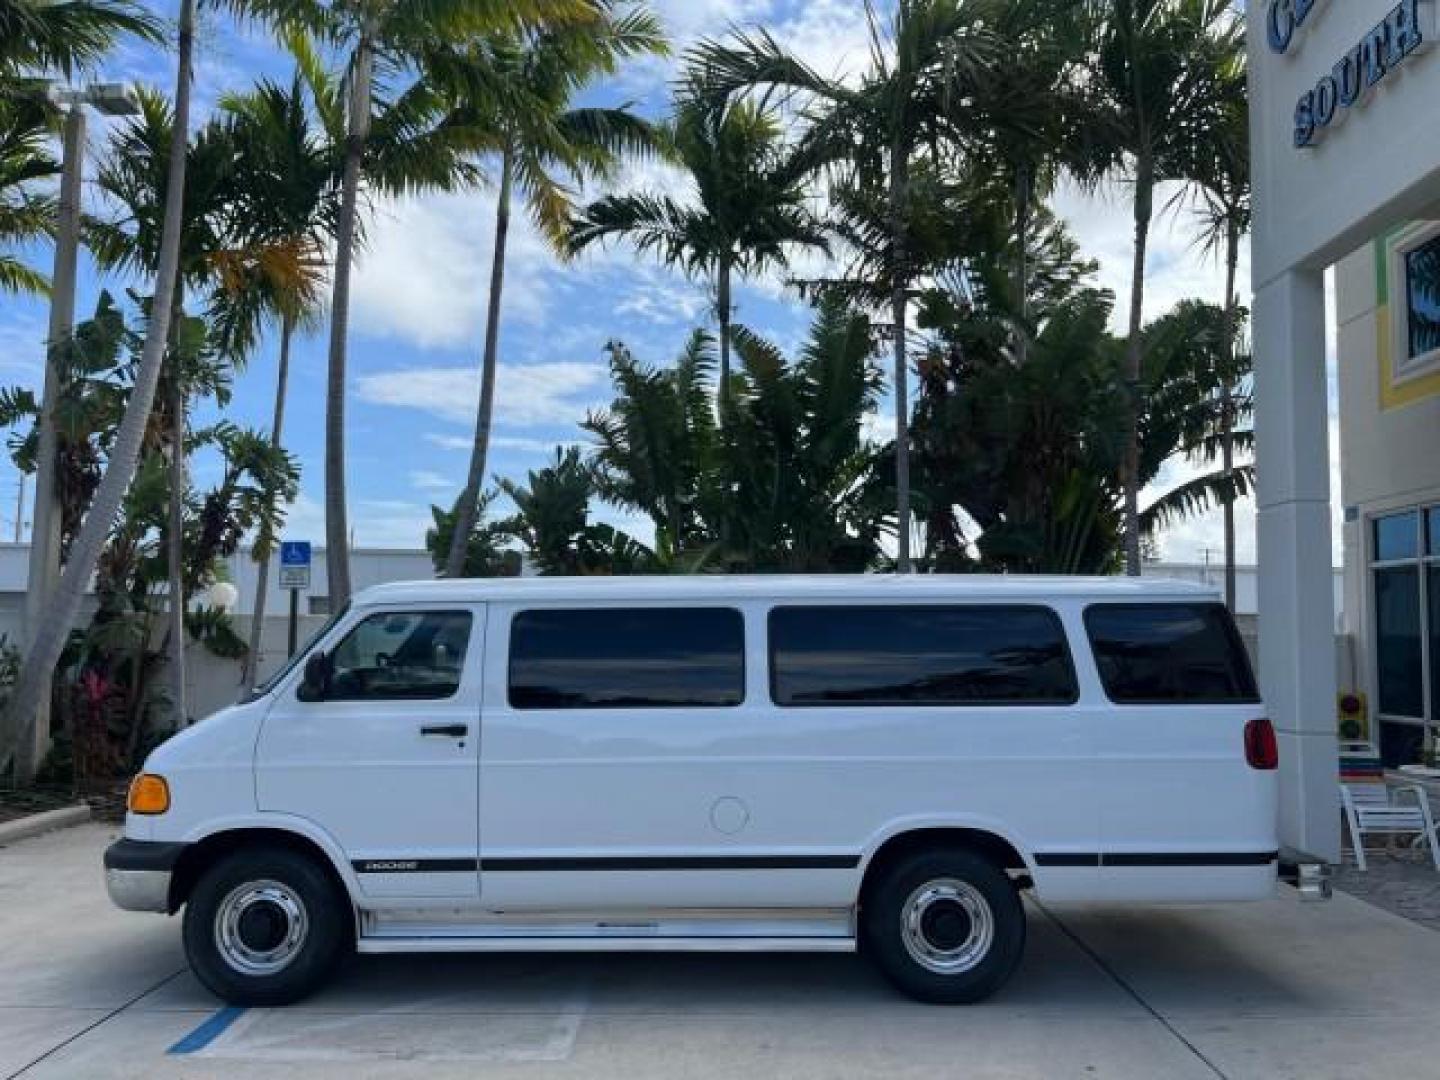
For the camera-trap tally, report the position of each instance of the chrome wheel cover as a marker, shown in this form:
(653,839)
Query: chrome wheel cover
(260,927)
(947,926)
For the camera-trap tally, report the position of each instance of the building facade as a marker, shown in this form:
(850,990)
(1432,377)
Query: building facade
(1387,302)
(1345,148)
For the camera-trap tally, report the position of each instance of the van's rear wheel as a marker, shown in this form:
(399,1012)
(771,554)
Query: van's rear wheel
(945,926)
(264,926)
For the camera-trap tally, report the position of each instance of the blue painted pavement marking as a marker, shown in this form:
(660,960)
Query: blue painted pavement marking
(209,1030)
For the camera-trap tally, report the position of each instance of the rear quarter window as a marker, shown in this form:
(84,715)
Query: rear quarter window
(1169,654)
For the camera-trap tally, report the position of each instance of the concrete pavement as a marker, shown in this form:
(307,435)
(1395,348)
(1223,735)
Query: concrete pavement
(1266,990)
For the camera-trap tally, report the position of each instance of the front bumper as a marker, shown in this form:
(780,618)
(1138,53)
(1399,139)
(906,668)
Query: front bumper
(138,873)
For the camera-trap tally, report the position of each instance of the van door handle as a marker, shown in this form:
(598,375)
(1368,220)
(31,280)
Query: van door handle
(455,731)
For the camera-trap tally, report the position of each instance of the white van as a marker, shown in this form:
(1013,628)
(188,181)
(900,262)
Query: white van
(711,763)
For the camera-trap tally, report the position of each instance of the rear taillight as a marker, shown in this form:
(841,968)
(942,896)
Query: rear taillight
(1260,749)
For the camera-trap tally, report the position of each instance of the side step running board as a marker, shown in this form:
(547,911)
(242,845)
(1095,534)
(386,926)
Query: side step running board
(602,943)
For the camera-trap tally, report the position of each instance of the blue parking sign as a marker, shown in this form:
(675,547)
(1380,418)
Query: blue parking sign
(295,564)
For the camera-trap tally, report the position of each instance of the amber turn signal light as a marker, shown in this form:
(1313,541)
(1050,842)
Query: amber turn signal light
(149,794)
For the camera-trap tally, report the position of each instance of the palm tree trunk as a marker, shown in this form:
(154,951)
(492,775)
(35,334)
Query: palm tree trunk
(1134,361)
(899,179)
(467,510)
(337,526)
(1023,187)
(722,313)
(1227,407)
(175,539)
(249,675)
(38,668)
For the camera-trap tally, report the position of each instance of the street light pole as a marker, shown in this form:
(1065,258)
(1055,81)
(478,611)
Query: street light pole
(45,530)
(44,568)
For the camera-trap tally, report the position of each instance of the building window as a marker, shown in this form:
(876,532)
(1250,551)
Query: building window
(1422,298)
(1396,537)
(1405,572)
(1414,301)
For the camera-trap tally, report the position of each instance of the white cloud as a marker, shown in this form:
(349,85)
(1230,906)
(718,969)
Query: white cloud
(1177,268)
(531,446)
(449,442)
(558,392)
(424,275)
(665,303)
(426,480)
(521,444)
(388,523)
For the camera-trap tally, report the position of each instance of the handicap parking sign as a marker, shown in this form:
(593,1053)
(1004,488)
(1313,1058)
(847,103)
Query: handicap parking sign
(295,564)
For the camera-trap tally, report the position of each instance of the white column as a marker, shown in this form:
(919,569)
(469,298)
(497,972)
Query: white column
(1297,606)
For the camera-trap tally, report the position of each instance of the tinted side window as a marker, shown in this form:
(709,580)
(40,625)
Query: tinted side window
(610,658)
(919,655)
(399,655)
(1169,653)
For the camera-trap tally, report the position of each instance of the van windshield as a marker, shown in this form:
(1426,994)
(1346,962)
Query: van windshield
(300,654)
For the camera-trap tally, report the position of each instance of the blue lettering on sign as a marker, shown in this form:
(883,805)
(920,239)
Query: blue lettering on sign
(1283,19)
(1392,41)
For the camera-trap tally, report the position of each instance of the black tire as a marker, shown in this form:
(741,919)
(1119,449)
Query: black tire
(962,959)
(292,913)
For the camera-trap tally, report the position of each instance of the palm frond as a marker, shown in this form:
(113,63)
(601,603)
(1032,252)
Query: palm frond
(1195,497)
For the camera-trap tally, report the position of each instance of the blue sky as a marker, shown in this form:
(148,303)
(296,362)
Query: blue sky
(418,301)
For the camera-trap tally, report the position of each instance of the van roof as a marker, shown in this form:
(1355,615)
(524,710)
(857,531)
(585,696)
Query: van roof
(715,587)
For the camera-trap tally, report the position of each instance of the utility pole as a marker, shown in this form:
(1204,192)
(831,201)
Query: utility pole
(20,510)
(44,570)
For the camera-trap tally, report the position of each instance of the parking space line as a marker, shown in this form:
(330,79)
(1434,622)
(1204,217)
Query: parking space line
(210,1029)
(91,1027)
(1120,981)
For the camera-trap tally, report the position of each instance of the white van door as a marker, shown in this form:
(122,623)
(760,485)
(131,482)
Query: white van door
(616,741)
(385,758)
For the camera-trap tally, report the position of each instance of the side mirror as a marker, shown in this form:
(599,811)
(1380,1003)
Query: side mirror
(316,683)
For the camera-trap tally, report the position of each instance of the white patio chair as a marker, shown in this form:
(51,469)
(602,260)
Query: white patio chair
(1377,809)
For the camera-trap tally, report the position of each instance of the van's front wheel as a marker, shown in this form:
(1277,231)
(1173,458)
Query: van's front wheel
(946,927)
(264,927)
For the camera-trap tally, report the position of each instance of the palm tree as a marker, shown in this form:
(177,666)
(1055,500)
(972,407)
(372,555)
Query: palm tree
(287,206)
(542,141)
(907,108)
(749,208)
(1154,75)
(552,520)
(1221,173)
(798,467)
(384,44)
(222,249)
(49,638)
(1034,109)
(657,446)
(25,214)
(39,36)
